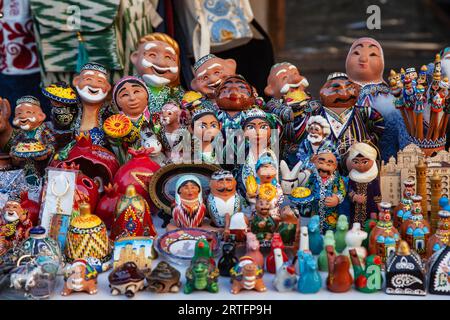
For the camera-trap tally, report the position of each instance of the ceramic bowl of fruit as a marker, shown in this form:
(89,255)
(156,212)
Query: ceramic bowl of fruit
(29,148)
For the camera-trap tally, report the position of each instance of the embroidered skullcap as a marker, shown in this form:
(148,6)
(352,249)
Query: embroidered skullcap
(221,174)
(122,82)
(337,75)
(28,99)
(202,60)
(94,66)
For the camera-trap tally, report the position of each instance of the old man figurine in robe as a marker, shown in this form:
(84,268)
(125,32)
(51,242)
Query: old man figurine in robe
(364,66)
(364,185)
(157,62)
(93,88)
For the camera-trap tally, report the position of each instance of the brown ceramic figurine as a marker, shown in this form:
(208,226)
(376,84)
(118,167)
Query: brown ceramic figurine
(126,279)
(80,276)
(6,130)
(247,275)
(164,278)
(339,278)
(253,249)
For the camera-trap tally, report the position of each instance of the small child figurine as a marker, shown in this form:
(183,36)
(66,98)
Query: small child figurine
(263,225)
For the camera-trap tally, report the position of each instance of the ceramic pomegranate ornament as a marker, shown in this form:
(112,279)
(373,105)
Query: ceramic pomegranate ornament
(137,172)
(107,204)
(31,206)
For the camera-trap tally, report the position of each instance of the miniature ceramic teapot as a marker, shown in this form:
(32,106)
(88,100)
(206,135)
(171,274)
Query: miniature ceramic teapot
(315,238)
(367,279)
(339,278)
(354,239)
(80,276)
(164,278)
(310,280)
(228,259)
(247,275)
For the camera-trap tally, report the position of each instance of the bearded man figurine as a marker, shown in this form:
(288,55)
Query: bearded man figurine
(364,185)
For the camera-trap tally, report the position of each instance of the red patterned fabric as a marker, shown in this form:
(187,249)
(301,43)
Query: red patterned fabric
(18,50)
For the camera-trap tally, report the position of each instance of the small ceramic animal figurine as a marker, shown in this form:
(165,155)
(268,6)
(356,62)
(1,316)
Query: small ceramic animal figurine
(164,278)
(404,272)
(310,280)
(384,237)
(228,259)
(415,229)
(354,239)
(289,178)
(368,279)
(315,238)
(126,279)
(78,277)
(151,143)
(328,240)
(172,129)
(247,275)
(288,225)
(441,237)
(285,278)
(276,248)
(339,278)
(303,246)
(439,272)
(253,249)
(341,231)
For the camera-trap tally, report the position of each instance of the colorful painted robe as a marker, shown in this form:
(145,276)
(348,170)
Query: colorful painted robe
(360,212)
(306,151)
(185,216)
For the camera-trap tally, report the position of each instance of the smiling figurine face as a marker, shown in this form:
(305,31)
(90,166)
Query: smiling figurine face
(326,164)
(234,94)
(28,116)
(365,61)
(223,184)
(157,60)
(12,211)
(284,77)
(131,97)
(339,92)
(189,191)
(92,86)
(210,71)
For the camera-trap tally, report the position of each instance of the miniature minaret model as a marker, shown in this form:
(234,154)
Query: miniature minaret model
(421,184)
(436,193)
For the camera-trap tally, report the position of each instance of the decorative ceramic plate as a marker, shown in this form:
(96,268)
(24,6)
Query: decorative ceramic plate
(162,185)
(178,245)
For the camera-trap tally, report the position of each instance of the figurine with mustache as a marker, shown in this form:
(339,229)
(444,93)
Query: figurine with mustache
(328,189)
(349,123)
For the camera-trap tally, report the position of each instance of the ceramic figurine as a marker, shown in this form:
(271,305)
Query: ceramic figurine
(151,143)
(248,275)
(15,225)
(339,278)
(203,250)
(368,279)
(228,259)
(126,279)
(315,238)
(107,205)
(189,209)
(172,129)
(63,100)
(354,239)
(349,122)
(276,248)
(157,62)
(132,216)
(164,278)
(31,206)
(439,272)
(318,130)
(209,73)
(87,238)
(6,130)
(207,136)
(292,179)
(415,229)
(328,240)
(93,88)
(201,274)
(262,224)
(404,272)
(341,231)
(368,227)
(328,189)
(285,278)
(384,237)
(224,205)
(364,184)
(33,145)
(403,213)
(288,225)
(80,276)
(252,249)
(441,237)
(310,280)
(303,247)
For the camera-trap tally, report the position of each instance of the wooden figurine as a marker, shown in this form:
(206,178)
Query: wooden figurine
(252,249)
(310,280)
(416,229)
(341,231)
(404,272)
(339,278)
(276,248)
(247,275)
(328,240)
(368,279)
(441,237)
(126,279)
(228,259)
(439,272)
(384,237)
(354,239)
(164,278)
(315,238)
(80,276)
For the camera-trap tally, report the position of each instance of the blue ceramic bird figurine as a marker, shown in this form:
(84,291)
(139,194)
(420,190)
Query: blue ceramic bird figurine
(310,280)
(315,238)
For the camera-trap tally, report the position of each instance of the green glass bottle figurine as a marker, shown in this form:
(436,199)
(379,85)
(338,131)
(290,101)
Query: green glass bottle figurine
(341,231)
(328,240)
